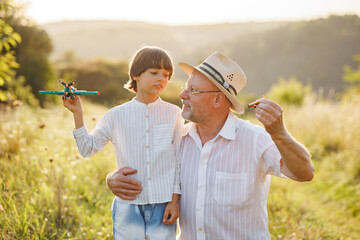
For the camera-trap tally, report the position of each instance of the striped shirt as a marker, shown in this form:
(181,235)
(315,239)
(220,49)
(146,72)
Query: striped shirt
(145,137)
(225,183)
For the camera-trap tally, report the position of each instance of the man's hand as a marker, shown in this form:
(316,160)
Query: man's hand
(270,114)
(123,186)
(171,211)
(295,158)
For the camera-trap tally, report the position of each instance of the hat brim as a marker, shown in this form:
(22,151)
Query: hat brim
(235,105)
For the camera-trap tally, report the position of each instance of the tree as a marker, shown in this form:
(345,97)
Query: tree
(33,56)
(9,39)
(32,53)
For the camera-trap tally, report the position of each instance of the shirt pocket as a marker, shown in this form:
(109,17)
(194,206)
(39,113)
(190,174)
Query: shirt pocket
(163,137)
(231,188)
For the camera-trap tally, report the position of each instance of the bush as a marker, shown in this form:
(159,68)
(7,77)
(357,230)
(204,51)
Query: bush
(289,91)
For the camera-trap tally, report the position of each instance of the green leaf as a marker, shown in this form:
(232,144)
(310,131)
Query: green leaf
(12,42)
(16,37)
(3,96)
(7,46)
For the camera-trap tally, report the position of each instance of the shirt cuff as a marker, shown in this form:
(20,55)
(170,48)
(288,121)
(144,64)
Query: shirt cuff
(177,190)
(80,132)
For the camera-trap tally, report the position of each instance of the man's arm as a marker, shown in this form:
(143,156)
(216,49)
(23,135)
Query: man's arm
(296,160)
(122,185)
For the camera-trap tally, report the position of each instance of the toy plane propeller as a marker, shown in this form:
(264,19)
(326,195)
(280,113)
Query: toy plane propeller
(69,91)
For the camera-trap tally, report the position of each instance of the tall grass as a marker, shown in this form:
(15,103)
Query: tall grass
(329,206)
(48,191)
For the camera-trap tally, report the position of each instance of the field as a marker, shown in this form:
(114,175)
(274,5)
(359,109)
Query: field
(48,191)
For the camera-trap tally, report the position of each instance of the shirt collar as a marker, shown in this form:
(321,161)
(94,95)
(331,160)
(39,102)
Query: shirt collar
(154,103)
(227,131)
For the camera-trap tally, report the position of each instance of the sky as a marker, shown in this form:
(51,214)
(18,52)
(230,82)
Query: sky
(186,11)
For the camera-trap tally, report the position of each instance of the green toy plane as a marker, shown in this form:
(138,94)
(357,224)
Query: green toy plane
(69,91)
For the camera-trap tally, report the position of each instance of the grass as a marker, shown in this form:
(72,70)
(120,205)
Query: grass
(48,191)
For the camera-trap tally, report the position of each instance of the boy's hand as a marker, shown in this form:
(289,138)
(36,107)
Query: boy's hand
(74,105)
(171,211)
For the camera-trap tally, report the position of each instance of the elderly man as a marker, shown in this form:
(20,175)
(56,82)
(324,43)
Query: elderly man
(226,162)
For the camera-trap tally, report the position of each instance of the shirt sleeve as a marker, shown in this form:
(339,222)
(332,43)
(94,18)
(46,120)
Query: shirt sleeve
(90,143)
(268,155)
(176,143)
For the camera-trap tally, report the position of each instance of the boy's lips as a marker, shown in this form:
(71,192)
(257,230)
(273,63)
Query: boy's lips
(158,86)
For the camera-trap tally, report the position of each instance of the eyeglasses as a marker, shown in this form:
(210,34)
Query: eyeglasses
(193,91)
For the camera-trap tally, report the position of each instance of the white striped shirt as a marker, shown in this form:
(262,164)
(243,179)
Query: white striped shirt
(225,183)
(145,137)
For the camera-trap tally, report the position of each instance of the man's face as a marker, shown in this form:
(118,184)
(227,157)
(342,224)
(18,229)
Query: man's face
(197,106)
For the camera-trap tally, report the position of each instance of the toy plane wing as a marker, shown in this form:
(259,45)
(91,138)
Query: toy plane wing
(52,92)
(84,92)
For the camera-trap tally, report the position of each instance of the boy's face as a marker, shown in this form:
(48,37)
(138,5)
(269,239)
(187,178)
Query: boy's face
(152,82)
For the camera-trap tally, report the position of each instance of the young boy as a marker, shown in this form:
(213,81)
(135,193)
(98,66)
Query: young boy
(146,134)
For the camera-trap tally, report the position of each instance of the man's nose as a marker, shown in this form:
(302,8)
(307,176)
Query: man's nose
(183,94)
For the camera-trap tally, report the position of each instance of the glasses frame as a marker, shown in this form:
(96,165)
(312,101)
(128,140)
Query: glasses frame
(190,92)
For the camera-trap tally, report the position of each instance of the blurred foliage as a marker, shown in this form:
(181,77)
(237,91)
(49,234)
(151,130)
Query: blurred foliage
(9,39)
(18,90)
(105,76)
(352,77)
(313,51)
(289,91)
(31,54)
(172,91)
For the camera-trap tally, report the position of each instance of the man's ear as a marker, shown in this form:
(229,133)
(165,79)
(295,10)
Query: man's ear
(219,99)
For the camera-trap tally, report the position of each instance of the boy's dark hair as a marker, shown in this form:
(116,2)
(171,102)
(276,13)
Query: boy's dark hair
(145,58)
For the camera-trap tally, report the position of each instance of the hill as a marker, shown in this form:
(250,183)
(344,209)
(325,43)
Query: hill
(315,51)
(119,39)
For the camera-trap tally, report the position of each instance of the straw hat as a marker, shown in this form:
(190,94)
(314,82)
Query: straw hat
(226,74)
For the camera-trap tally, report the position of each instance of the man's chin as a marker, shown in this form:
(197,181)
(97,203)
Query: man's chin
(186,115)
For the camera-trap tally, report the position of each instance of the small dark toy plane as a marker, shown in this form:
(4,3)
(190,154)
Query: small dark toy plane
(69,91)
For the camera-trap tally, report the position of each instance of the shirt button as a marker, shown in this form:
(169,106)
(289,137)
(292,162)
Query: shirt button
(147,131)
(148,162)
(148,179)
(147,146)
(147,116)
(200,229)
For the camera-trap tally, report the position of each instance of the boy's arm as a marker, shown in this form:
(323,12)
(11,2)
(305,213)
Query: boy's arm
(75,106)
(172,210)
(88,144)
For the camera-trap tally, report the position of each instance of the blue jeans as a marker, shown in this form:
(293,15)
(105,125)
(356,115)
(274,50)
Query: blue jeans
(139,222)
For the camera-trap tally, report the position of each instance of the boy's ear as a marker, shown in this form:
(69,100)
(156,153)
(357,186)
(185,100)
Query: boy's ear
(135,78)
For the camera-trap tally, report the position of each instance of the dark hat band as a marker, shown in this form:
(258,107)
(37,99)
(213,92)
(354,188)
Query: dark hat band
(217,77)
